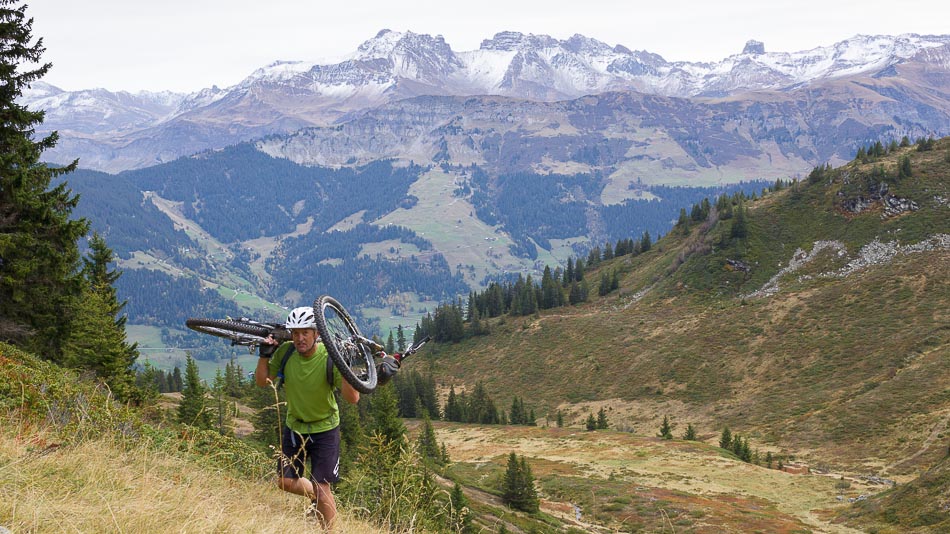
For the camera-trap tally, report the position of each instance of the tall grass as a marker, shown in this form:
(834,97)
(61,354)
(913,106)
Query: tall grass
(72,460)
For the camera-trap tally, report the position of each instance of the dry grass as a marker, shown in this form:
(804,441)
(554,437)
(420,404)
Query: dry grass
(96,486)
(694,475)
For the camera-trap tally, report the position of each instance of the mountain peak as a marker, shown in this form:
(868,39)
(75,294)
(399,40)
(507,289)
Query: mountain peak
(754,48)
(513,41)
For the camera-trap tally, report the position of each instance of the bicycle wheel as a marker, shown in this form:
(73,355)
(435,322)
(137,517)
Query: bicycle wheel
(341,338)
(238,332)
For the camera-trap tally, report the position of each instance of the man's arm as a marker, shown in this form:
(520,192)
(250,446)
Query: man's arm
(348,393)
(262,376)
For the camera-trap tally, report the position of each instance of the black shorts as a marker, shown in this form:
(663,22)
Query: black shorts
(323,450)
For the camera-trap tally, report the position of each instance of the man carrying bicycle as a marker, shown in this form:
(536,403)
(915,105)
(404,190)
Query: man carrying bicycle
(312,428)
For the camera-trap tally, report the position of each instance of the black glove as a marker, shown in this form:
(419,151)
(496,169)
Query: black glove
(266,350)
(386,369)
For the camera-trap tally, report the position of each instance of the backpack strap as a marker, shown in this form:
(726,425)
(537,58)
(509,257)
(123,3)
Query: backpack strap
(330,371)
(283,363)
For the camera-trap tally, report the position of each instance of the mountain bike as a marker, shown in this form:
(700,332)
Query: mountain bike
(353,353)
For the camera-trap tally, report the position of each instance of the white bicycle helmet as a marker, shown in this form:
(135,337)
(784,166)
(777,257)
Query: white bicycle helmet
(301,317)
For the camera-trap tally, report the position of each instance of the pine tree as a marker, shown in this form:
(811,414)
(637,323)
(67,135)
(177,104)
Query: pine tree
(603,288)
(98,345)
(560,419)
(519,491)
(223,420)
(390,343)
(683,221)
(461,515)
(591,423)
(602,423)
(194,409)
(481,409)
(740,226)
(725,440)
(516,415)
(645,243)
(177,383)
(39,273)
(666,429)
(383,415)
(400,339)
(352,431)
(905,171)
(428,445)
(690,434)
(98,339)
(266,420)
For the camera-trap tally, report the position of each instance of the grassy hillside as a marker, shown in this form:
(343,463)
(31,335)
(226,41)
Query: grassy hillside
(71,460)
(833,345)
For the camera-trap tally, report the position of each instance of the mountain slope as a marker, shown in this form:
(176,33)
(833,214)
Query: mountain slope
(634,137)
(107,133)
(823,332)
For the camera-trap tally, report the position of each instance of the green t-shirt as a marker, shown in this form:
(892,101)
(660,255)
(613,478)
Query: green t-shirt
(311,405)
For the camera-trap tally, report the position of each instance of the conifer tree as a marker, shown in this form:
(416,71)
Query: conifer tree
(177,383)
(905,170)
(481,409)
(560,419)
(223,420)
(516,415)
(400,339)
(683,221)
(267,420)
(97,341)
(519,491)
(690,434)
(352,432)
(233,379)
(39,273)
(98,345)
(461,515)
(390,343)
(740,226)
(428,445)
(602,423)
(666,429)
(725,440)
(452,410)
(383,415)
(603,288)
(591,423)
(194,409)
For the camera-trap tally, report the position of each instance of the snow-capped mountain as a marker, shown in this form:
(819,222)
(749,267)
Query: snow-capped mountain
(92,111)
(392,66)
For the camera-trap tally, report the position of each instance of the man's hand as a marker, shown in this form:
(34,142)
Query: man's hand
(267,347)
(386,369)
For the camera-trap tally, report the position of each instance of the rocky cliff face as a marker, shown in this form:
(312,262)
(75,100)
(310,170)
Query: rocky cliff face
(630,136)
(801,107)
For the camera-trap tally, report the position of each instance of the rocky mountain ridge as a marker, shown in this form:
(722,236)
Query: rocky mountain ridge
(117,131)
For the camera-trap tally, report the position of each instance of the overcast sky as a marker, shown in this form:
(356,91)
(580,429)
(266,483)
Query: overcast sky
(187,45)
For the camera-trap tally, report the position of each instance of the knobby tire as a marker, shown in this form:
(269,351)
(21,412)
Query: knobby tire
(238,332)
(340,334)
